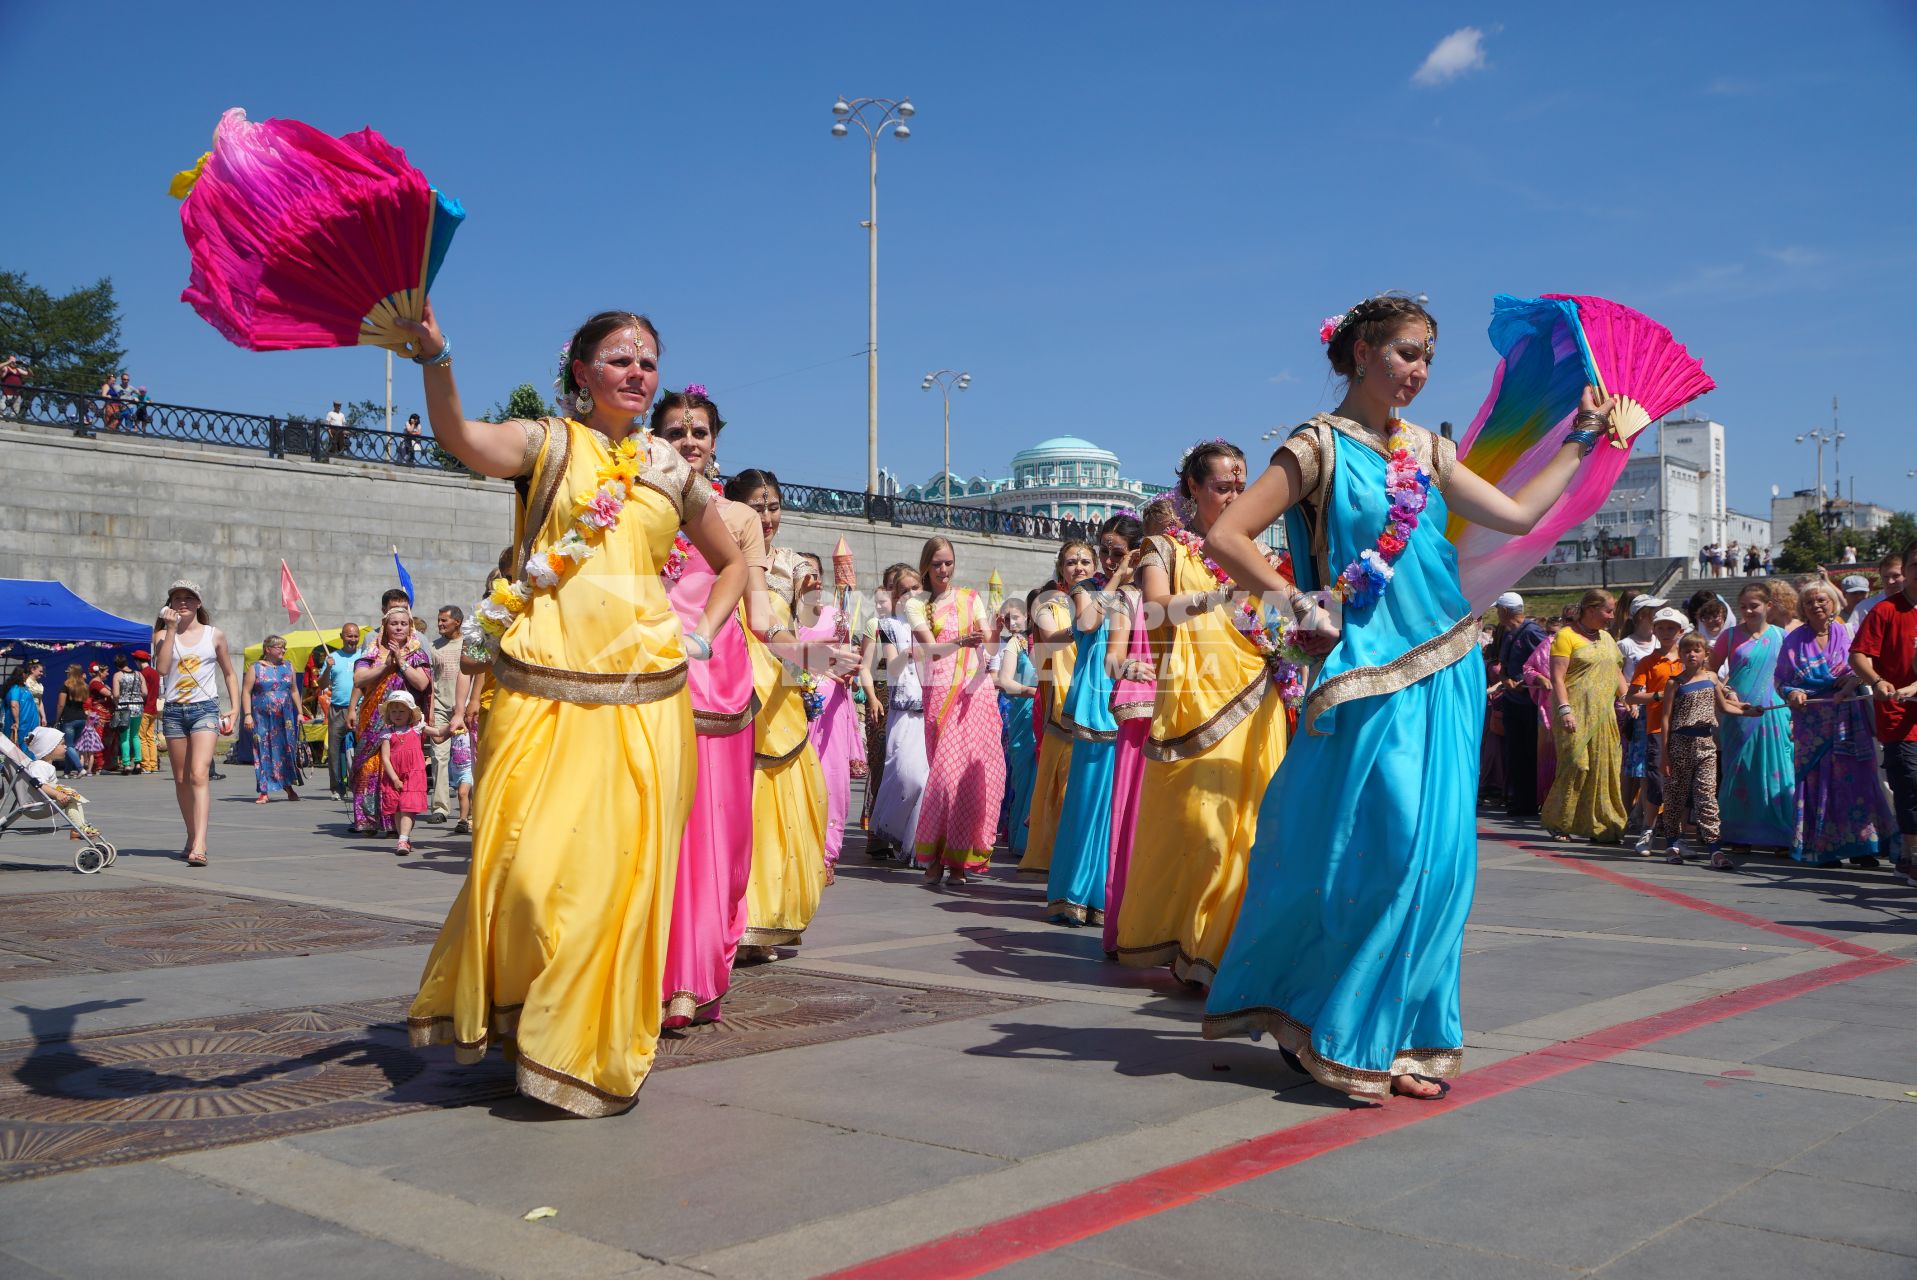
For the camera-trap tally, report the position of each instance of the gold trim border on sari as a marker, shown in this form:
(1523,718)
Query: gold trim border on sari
(1213,731)
(534,1079)
(1356,1082)
(1413,665)
(1185,966)
(588,688)
(721,724)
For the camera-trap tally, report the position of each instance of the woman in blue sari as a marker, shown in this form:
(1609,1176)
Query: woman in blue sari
(1017,685)
(1758,789)
(1348,944)
(1081,860)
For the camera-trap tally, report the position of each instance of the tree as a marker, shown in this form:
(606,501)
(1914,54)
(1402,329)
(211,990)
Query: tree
(1807,547)
(1899,533)
(368,414)
(524,402)
(72,341)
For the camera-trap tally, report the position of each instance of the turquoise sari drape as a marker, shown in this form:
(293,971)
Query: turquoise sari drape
(1021,758)
(1081,858)
(1349,941)
(1758,791)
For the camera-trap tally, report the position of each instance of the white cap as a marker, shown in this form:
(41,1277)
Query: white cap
(1648,602)
(1509,600)
(43,742)
(1668,614)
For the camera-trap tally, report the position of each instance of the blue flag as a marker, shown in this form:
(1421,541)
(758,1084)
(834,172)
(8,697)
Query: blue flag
(405,578)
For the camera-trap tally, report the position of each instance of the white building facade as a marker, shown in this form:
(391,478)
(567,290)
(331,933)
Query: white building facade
(1064,476)
(1670,501)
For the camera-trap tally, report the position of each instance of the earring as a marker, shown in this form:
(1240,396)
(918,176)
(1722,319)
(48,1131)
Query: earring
(1361,373)
(712,467)
(582,401)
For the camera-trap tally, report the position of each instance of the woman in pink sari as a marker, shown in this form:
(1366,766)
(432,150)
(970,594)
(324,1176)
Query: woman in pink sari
(836,731)
(1134,686)
(958,814)
(715,853)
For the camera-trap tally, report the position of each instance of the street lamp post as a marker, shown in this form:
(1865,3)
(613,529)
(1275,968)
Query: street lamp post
(872,115)
(1820,437)
(945,380)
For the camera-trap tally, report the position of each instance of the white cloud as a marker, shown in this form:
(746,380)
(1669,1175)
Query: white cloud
(1459,53)
(1283,376)
(1795,256)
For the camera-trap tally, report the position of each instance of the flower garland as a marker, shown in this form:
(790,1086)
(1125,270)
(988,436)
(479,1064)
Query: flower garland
(809,694)
(595,513)
(1269,631)
(675,566)
(1407,489)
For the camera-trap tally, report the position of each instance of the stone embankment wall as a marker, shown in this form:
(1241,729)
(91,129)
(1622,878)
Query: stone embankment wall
(117,519)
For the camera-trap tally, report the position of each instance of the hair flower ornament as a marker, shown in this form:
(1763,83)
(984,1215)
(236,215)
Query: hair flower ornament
(1329,329)
(696,389)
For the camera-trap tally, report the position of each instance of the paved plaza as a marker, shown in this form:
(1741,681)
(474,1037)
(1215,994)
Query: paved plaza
(1669,1073)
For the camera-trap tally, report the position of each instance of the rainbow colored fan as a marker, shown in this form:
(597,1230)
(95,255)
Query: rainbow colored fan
(1551,347)
(299,239)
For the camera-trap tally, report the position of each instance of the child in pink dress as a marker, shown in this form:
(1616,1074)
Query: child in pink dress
(402,767)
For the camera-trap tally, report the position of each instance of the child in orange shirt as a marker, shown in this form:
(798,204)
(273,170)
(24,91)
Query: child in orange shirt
(1653,671)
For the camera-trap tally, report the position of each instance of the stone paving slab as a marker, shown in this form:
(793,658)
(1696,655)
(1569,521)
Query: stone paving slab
(1702,1247)
(798,1161)
(153,1222)
(1223,1238)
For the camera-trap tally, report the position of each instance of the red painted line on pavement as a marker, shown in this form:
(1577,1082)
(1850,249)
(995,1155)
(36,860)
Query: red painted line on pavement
(977,1250)
(1678,898)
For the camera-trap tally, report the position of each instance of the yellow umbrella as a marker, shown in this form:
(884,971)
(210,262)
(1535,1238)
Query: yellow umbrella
(299,644)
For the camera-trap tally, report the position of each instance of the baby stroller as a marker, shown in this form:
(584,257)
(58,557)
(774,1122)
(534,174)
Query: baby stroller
(27,808)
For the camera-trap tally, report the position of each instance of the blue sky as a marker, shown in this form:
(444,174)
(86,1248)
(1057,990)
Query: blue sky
(1126,220)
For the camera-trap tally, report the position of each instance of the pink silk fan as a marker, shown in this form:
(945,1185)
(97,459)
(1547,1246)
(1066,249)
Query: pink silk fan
(299,239)
(1549,348)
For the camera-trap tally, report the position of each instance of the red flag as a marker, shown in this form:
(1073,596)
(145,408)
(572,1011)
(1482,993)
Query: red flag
(289,594)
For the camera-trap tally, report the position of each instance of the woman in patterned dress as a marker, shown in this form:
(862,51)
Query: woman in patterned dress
(1841,809)
(1586,801)
(273,718)
(395,660)
(954,634)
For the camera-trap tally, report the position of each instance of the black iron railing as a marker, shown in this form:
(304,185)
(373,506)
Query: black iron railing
(93,415)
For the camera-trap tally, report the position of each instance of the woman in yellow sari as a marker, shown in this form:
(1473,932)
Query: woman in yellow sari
(556,946)
(1587,683)
(789,798)
(1217,735)
(1056,654)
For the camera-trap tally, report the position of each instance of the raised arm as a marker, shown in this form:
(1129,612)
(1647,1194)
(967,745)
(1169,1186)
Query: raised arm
(490,448)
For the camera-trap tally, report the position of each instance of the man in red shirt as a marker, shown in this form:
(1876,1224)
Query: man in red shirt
(1885,655)
(149,713)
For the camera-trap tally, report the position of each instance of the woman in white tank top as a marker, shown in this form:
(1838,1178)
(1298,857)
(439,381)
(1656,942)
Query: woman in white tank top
(186,653)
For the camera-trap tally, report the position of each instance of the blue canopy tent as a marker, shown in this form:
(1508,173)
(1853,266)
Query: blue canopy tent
(44,620)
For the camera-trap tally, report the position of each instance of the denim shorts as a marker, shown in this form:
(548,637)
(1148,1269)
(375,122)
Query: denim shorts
(184,719)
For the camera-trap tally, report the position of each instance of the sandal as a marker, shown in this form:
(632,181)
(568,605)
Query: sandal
(1444,1088)
(196,859)
(1721,861)
(462,828)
